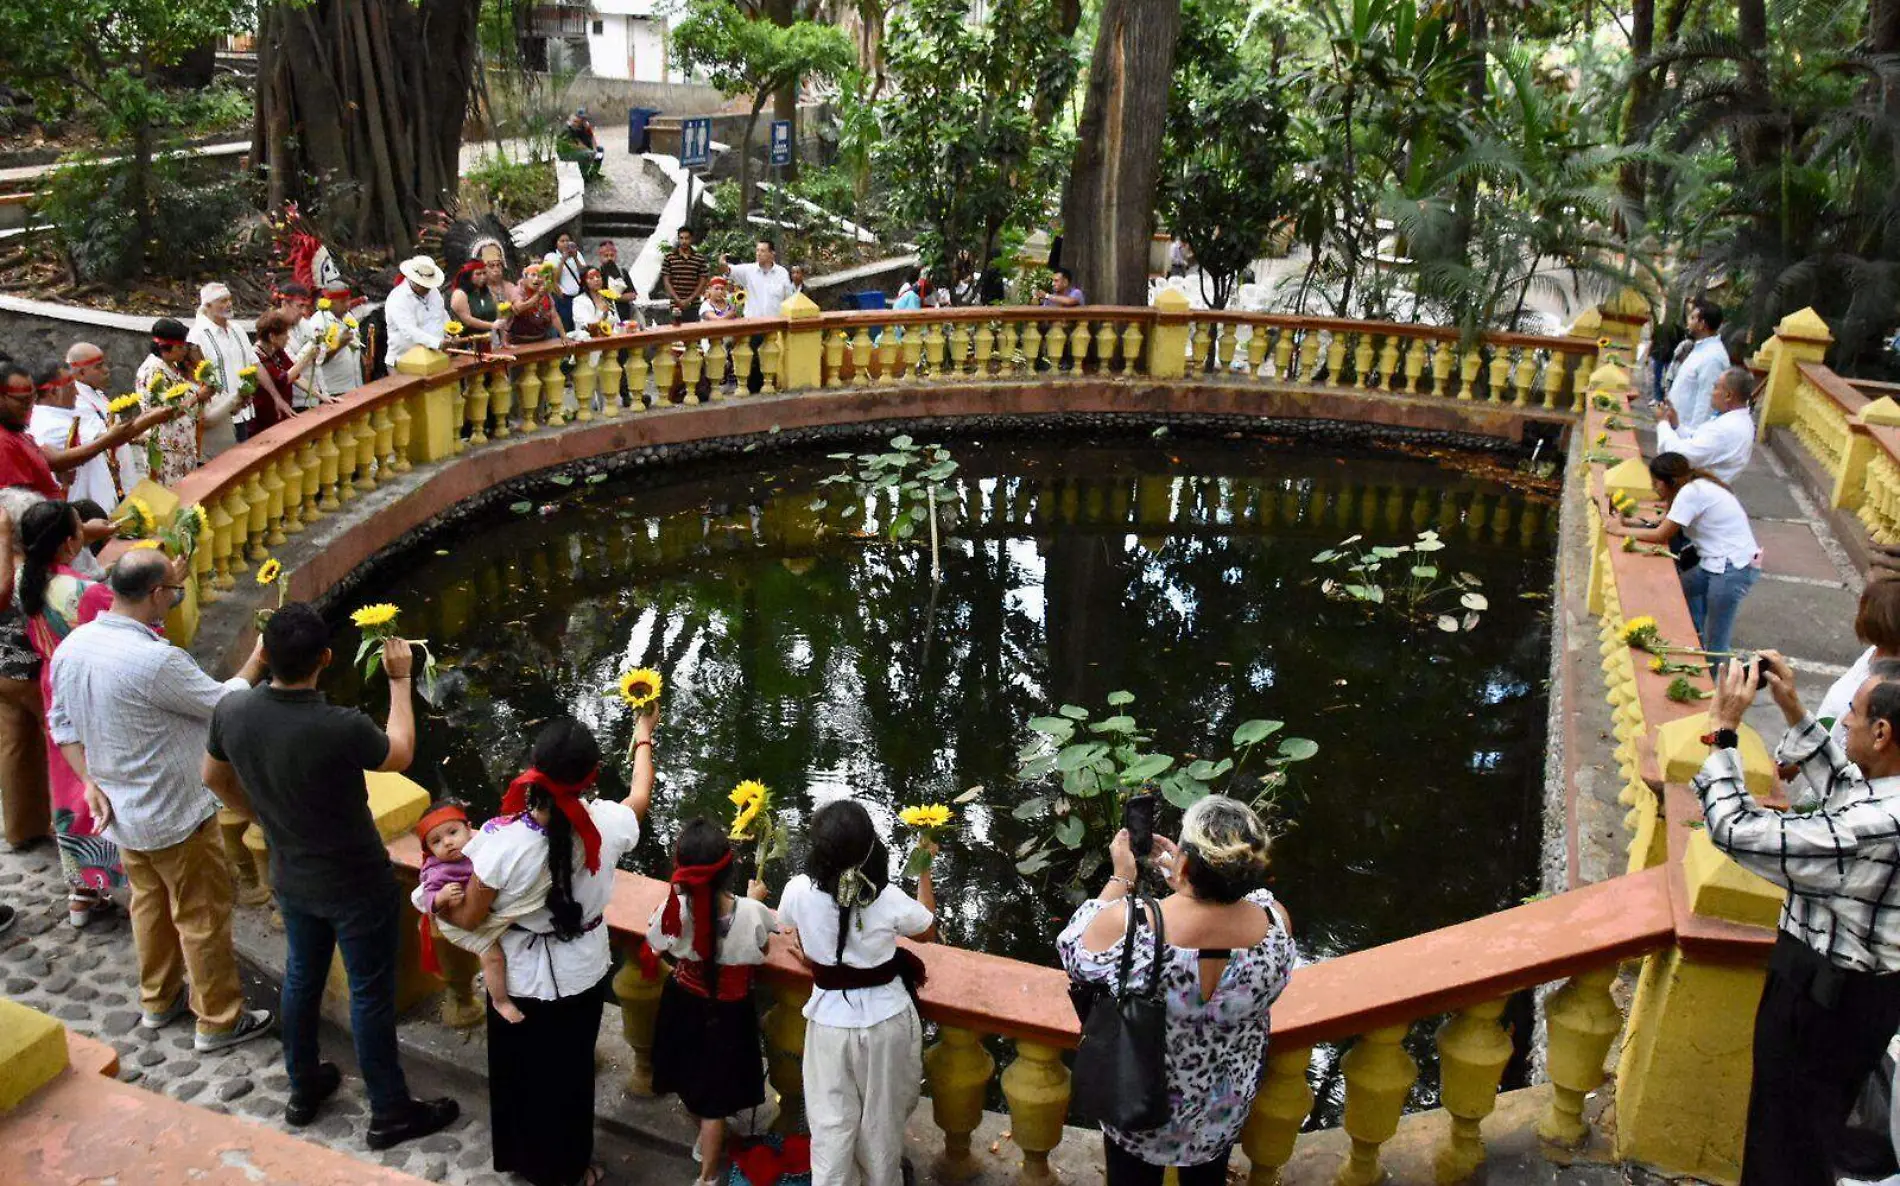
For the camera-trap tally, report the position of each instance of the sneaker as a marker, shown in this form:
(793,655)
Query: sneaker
(158,1021)
(253,1023)
(8,916)
(422,1118)
(302,1106)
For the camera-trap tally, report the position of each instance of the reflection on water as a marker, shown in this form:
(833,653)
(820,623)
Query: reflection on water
(817,660)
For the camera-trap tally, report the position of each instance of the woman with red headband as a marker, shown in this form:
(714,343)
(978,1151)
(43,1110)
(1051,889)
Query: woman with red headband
(706,1035)
(541,1069)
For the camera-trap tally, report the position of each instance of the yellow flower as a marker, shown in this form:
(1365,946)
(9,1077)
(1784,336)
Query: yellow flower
(610,294)
(934,815)
(136,515)
(640,687)
(1604,343)
(125,403)
(175,393)
(750,797)
(454,329)
(334,338)
(269,572)
(204,520)
(325,303)
(1657,664)
(503,308)
(203,373)
(371,616)
(144,543)
(747,793)
(350,321)
(247,372)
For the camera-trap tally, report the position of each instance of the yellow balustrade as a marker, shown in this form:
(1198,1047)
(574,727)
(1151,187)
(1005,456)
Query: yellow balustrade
(1280,1108)
(1036,1087)
(1801,337)
(639,997)
(1379,1074)
(586,375)
(1472,1051)
(528,383)
(784,1028)
(1582,1020)
(958,1070)
(771,354)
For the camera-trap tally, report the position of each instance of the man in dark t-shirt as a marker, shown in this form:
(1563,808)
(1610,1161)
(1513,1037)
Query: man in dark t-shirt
(293,762)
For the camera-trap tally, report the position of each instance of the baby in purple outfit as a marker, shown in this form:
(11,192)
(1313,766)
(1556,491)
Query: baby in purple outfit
(442,883)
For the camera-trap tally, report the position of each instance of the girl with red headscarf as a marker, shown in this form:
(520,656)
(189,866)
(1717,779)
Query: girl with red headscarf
(706,1035)
(550,833)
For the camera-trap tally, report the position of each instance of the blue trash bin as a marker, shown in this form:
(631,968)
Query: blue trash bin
(865,302)
(638,135)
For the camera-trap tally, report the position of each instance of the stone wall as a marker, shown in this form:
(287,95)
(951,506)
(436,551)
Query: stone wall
(33,331)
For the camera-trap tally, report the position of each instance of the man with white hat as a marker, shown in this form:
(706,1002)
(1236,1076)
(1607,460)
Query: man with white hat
(228,350)
(414,312)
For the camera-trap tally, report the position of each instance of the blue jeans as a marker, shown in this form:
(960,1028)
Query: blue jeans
(365,928)
(1714,598)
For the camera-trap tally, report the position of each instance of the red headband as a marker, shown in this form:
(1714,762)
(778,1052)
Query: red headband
(567,798)
(696,880)
(432,820)
(56,384)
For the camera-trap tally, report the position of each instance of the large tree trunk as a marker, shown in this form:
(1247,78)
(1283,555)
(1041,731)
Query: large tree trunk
(360,110)
(1108,210)
(1630,178)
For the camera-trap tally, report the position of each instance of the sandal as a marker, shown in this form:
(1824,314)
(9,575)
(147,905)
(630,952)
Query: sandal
(82,906)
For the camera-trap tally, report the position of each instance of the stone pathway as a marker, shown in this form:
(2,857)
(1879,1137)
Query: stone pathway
(89,980)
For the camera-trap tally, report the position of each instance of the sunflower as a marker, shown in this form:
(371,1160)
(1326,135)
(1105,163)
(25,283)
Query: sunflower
(1643,633)
(640,687)
(751,798)
(934,815)
(325,303)
(610,294)
(1658,664)
(125,403)
(204,520)
(350,321)
(143,543)
(372,616)
(454,329)
(203,373)
(503,308)
(175,393)
(135,516)
(247,372)
(269,571)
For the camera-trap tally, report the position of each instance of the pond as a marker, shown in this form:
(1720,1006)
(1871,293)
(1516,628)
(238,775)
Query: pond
(804,651)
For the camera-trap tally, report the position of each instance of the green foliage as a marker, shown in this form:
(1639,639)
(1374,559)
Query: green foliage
(1406,579)
(1084,771)
(967,157)
(1227,160)
(90,208)
(917,478)
(514,189)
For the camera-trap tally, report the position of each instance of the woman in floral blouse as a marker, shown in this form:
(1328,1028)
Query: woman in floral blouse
(176,446)
(1228,955)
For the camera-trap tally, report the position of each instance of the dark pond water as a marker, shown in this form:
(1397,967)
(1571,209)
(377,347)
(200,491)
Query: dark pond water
(819,661)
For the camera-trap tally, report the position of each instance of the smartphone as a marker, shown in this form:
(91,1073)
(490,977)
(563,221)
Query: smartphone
(1138,816)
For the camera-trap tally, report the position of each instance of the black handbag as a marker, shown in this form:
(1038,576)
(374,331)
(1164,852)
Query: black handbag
(1121,1064)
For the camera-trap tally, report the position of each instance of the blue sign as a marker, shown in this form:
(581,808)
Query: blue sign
(696,142)
(781,141)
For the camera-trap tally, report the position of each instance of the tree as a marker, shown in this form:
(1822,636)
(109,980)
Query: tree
(967,160)
(360,105)
(1108,209)
(113,52)
(1227,160)
(744,55)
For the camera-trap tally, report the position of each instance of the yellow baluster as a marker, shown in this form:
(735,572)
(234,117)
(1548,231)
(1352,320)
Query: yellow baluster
(475,409)
(637,379)
(1032,345)
(1283,354)
(528,383)
(1036,1087)
(1229,345)
(1131,348)
(834,357)
(1389,362)
(639,1004)
(330,459)
(861,356)
(1362,361)
(1335,359)
(1309,354)
(1472,1051)
(554,391)
(1079,345)
(691,363)
(719,367)
(665,363)
(501,399)
(383,434)
(985,347)
(258,524)
(1521,375)
(1468,364)
(292,473)
(203,571)
(1554,379)
(784,1028)
(273,483)
(1011,361)
(1278,1111)
(1256,350)
(887,357)
(1055,344)
(458,412)
(1582,1021)
(1378,1075)
(770,355)
(586,377)
(913,350)
(958,1070)
(365,454)
(222,532)
(1441,368)
(405,430)
(959,347)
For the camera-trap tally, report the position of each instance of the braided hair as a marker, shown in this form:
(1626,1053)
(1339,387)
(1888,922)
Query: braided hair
(845,841)
(703,842)
(564,750)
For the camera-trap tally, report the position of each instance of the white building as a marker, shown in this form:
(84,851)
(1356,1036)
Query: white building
(627,39)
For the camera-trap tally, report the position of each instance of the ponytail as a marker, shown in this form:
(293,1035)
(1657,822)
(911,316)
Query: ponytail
(44,529)
(1675,470)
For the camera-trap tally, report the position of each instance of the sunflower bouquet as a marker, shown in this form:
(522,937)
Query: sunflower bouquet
(135,519)
(754,822)
(126,407)
(206,375)
(931,822)
(247,381)
(188,527)
(378,623)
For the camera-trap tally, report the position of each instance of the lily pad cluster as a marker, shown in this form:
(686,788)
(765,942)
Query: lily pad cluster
(1406,579)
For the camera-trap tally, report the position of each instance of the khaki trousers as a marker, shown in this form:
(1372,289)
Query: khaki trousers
(181,924)
(860,1088)
(27,802)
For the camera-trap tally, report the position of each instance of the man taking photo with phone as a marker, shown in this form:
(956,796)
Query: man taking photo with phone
(1831,1001)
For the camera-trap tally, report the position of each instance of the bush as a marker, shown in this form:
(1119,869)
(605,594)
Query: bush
(90,207)
(513,189)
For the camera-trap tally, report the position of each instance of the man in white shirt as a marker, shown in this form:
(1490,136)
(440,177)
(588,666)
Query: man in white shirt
(767,287)
(1689,394)
(414,313)
(1723,444)
(339,368)
(228,349)
(106,478)
(570,268)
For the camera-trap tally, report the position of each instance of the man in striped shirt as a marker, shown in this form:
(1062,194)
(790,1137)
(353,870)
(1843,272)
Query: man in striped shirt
(684,274)
(1831,1000)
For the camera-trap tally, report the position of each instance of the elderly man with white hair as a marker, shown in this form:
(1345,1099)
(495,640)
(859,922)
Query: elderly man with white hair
(106,478)
(228,349)
(414,313)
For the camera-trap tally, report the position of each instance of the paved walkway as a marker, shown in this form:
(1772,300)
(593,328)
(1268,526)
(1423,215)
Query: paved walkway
(89,980)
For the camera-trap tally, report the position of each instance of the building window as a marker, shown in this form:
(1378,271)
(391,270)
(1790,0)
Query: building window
(600,27)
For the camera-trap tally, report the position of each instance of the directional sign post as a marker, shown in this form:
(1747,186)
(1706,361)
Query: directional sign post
(696,142)
(781,142)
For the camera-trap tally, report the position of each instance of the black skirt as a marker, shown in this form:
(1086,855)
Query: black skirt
(541,1087)
(707,1052)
